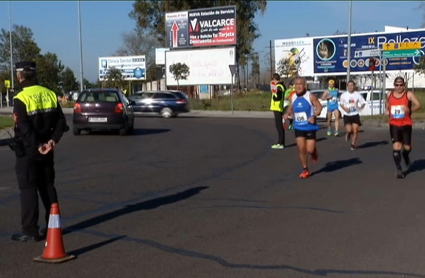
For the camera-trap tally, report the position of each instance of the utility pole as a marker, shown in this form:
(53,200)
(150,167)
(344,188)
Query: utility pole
(350,9)
(81,48)
(271,61)
(11,56)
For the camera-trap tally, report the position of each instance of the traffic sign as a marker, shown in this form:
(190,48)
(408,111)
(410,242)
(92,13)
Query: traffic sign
(273,87)
(401,46)
(232,69)
(7,84)
(406,53)
(366,53)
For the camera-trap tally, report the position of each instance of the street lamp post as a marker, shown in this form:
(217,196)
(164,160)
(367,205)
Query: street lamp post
(350,9)
(11,56)
(81,47)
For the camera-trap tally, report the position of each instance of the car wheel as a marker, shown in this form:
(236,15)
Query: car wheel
(76,131)
(175,115)
(131,128)
(166,112)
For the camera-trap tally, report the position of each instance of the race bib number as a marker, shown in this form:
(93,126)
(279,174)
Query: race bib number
(397,112)
(333,100)
(301,118)
(352,108)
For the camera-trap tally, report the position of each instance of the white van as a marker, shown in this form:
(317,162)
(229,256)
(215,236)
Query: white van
(371,98)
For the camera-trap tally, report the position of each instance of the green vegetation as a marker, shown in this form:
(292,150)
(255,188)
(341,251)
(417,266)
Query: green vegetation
(6,122)
(255,101)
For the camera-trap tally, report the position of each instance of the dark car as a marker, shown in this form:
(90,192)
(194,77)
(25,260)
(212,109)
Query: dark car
(166,103)
(103,109)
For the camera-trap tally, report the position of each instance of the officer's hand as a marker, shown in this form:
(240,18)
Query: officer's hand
(44,149)
(51,143)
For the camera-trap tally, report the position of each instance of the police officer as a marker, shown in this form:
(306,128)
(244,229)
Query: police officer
(276,105)
(39,125)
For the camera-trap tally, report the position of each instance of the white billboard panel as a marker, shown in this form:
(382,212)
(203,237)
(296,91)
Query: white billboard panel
(298,53)
(207,66)
(132,67)
(160,56)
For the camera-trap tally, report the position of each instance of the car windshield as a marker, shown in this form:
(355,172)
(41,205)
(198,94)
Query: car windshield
(318,93)
(99,96)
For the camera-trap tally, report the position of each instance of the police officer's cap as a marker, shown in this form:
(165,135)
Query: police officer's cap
(25,66)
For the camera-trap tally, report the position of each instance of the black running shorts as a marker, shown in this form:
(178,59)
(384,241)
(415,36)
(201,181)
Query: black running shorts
(355,119)
(401,134)
(308,135)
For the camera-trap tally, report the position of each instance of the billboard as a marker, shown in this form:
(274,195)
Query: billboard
(298,53)
(160,56)
(207,66)
(132,67)
(330,53)
(202,27)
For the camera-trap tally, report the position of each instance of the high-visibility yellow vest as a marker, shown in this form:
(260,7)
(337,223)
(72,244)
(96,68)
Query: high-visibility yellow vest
(277,105)
(38,99)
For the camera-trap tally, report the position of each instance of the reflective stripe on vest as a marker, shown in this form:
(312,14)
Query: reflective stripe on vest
(277,105)
(38,99)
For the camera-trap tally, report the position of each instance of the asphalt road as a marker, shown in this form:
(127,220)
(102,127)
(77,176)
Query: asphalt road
(207,197)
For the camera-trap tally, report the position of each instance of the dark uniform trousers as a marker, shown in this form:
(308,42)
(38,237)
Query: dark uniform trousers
(35,175)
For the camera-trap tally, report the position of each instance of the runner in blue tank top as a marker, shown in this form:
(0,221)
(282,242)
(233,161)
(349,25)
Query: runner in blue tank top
(331,96)
(305,107)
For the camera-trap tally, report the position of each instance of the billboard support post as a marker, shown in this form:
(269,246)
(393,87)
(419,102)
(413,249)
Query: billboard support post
(384,83)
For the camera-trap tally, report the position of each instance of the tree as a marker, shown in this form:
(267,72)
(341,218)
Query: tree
(88,85)
(286,70)
(114,78)
(69,82)
(180,72)
(138,42)
(23,45)
(49,69)
(150,17)
(255,66)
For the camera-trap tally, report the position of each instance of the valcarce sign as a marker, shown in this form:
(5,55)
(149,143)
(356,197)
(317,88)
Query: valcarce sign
(205,27)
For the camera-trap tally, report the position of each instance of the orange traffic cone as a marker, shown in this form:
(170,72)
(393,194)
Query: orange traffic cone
(54,251)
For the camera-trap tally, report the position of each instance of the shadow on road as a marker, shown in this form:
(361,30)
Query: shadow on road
(145,205)
(417,166)
(326,272)
(372,144)
(149,131)
(295,144)
(92,247)
(136,132)
(338,165)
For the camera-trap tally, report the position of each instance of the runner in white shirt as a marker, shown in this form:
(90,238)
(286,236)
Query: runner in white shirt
(352,103)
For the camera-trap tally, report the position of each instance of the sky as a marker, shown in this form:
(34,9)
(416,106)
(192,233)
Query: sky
(55,24)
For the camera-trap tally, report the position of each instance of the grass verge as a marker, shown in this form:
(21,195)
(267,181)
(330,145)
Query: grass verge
(241,102)
(6,122)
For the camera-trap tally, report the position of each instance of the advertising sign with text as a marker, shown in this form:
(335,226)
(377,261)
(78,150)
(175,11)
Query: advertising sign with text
(330,53)
(206,66)
(202,27)
(295,53)
(131,67)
